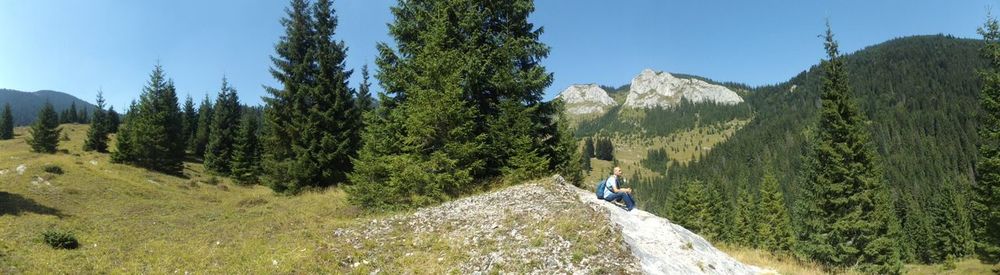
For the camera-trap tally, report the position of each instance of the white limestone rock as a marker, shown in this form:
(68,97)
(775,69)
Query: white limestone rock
(663,247)
(586,99)
(660,89)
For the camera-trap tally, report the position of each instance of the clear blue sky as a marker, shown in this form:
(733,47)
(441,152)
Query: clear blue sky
(79,47)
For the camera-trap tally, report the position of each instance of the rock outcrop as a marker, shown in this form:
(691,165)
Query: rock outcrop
(660,89)
(663,247)
(586,99)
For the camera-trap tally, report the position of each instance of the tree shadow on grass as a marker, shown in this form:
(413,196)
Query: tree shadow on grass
(14,204)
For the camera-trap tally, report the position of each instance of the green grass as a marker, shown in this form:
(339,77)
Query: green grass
(130,220)
(681,147)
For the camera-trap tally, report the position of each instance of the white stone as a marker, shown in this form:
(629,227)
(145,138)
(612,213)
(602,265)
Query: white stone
(657,243)
(21,168)
(585,99)
(660,89)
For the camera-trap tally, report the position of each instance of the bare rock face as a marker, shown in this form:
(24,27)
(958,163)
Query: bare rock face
(586,99)
(660,89)
(663,247)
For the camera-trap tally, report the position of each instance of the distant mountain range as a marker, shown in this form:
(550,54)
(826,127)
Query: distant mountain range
(25,105)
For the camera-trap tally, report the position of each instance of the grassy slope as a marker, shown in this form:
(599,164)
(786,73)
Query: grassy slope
(129,220)
(682,147)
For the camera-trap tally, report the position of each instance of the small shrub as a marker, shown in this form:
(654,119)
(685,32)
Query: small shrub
(213,181)
(53,169)
(60,239)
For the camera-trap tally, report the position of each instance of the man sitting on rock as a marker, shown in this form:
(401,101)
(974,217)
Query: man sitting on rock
(613,193)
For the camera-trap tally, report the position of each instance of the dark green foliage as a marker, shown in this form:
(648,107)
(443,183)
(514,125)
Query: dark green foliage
(364,98)
(190,126)
(985,203)
(464,87)
(6,123)
(97,135)
(312,123)
(247,150)
(199,141)
(921,96)
(154,136)
(83,118)
(114,120)
(774,225)
(45,131)
(690,206)
(604,149)
(851,217)
(656,160)
(588,152)
(59,239)
(665,121)
(53,169)
(224,125)
(746,220)
(565,153)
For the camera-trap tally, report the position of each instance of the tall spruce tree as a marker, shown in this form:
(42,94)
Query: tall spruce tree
(200,139)
(45,131)
(225,123)
(71,114)
(746,220)
(114,119)
(985,203)
(247,151)
(190,122)
(312,122)
(852,222)
(774,224)
(83,117)
(365,100)
(6,123)
(154,137)
(97,135)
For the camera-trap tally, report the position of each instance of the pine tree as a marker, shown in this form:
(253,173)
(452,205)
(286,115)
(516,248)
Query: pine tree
(950,232)
(853,222)
(985,203)
(200,139)
(716,213)
(97,135)
(190,122)
(154,128)
(246,151)
(71,114)
(691,206)
(746,220)
(566,152)
(365,100)
(124,152)
(6,123)
(774,224)
(114,119)
(45,131)
(225,121)
(83,117)
(312,122)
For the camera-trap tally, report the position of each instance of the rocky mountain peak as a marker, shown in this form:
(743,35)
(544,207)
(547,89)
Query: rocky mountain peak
(661,89)
(585,99)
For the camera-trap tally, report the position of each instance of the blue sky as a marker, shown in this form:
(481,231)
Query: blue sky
(79,47)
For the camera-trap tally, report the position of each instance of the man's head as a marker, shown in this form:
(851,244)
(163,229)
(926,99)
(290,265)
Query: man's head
(618,171)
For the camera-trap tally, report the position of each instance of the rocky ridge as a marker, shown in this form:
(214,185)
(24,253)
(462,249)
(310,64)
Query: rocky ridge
(585,99)
(661,89)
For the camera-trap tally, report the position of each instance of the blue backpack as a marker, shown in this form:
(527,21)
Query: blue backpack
(600,189)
